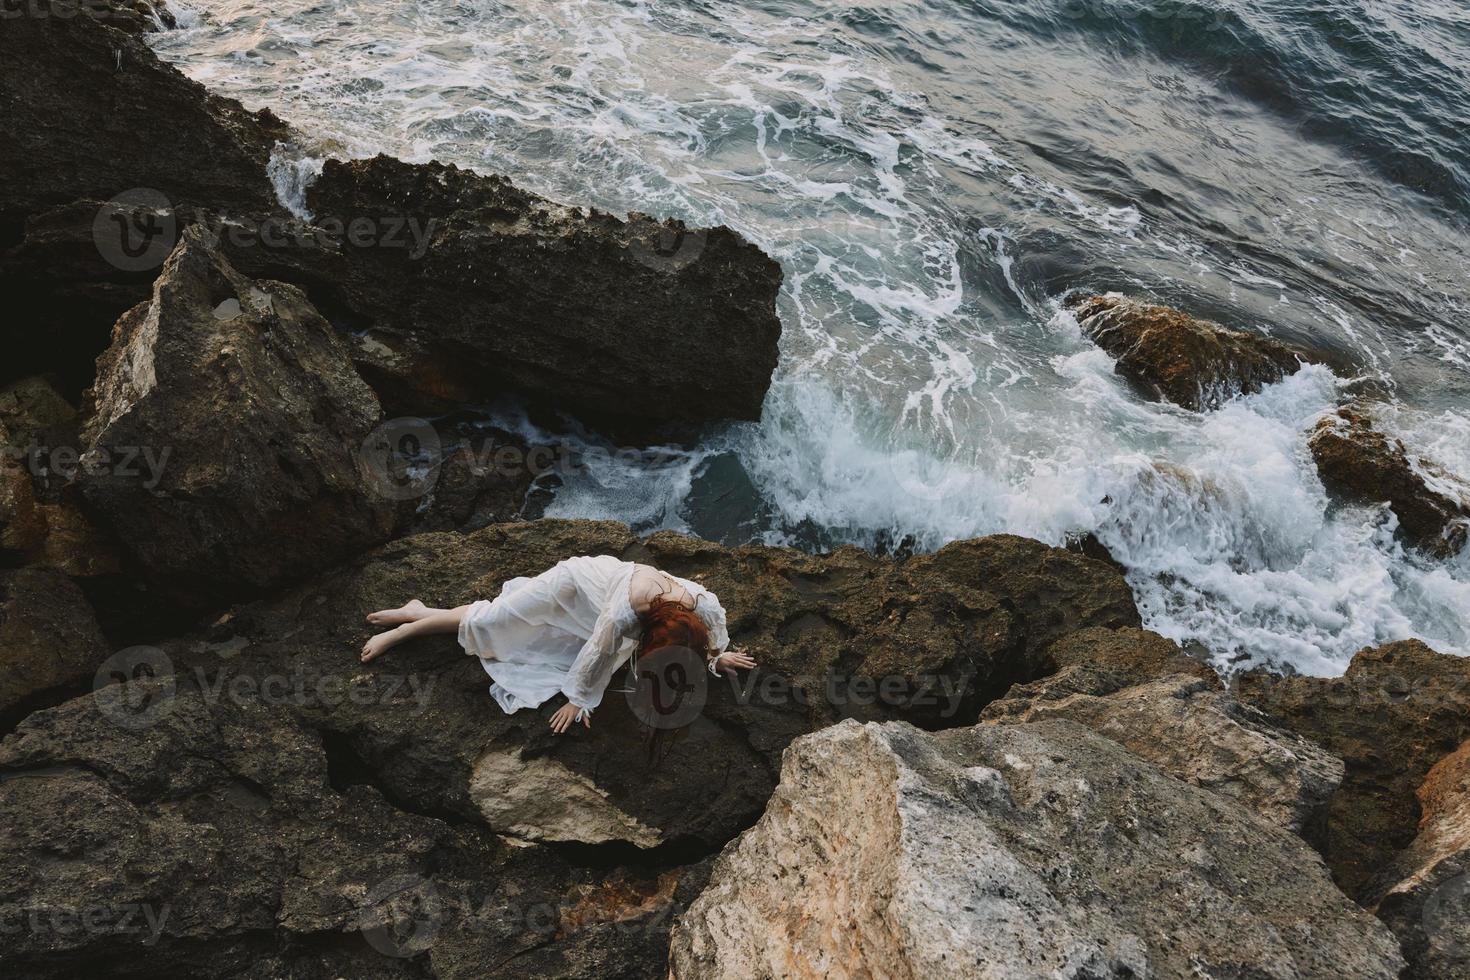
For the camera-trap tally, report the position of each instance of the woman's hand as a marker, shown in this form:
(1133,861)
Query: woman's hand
(565,716)
(731,660)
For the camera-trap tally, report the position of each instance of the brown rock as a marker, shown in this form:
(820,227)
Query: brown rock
(269,787)
(224,443)
(1427,903)
(494,289)
(1138,654)
(1397,711)
(1171,355)
(41,521)
(1363,465)
(49,639)
(91,115)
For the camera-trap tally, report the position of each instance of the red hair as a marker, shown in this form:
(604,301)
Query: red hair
(669,624)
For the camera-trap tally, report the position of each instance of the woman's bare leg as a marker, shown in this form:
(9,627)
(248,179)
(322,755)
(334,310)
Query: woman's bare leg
(433,622)
(411,610)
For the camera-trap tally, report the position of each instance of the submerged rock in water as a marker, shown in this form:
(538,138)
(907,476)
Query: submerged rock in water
(1424,893)
(1013,850)
(1360,463)
(224,442)
(1398,710)
(1174,356)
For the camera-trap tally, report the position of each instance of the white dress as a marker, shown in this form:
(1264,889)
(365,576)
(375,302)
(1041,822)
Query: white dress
(567,631)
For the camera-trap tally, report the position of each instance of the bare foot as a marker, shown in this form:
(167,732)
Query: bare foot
(378,645)
(409,612)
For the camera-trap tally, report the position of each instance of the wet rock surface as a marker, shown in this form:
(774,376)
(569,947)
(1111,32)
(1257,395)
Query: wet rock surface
(1005,850)
(1362,464)
(1173,356)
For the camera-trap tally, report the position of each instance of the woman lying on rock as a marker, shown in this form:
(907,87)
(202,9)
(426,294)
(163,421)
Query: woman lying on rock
(569,629)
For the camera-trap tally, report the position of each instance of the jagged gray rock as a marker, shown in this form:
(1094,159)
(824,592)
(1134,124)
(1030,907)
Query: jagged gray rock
(224,439)
(1013,851)
(1187,726)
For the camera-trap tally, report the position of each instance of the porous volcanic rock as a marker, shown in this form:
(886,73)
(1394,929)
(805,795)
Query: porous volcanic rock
(1171,355)
(224,439)
(1427,899)
(845,634)
(1137,654)
(1391,717)
(1360,463)
(1013,850)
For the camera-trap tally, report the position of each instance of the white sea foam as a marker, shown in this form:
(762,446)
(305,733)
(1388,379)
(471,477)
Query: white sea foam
(925,389)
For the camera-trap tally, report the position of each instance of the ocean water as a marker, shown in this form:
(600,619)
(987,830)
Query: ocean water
(934,177)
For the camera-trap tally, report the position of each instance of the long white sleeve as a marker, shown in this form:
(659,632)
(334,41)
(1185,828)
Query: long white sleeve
(713,614)
(595,663)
